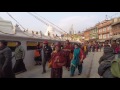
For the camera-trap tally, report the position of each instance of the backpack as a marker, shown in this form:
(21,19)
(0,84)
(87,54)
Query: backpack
(115,67)
(103,67)
(36,53)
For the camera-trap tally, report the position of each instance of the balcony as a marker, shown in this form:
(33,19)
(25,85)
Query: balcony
(105,32)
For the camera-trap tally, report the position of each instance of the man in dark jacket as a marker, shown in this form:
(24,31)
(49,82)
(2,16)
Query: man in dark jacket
(5,61)
(105,63)
(46,55)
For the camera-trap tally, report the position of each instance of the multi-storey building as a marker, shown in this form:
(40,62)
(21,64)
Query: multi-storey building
(93,33)
(87,34)
(104,30)
(116,29)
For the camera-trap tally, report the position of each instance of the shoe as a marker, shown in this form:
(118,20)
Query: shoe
(79,73)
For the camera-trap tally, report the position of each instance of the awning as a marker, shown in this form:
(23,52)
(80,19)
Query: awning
(116,37)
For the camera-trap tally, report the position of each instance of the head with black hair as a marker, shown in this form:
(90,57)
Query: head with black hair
(57,46)
(76,45)
(18,43)
(67,42)
(3,43)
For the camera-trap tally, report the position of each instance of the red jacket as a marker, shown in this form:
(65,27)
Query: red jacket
(58,59)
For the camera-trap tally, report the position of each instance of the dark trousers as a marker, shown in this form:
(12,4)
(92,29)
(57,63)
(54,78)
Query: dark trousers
(68,62)
(44,64)
(73,69)
(19,66)
(7,72)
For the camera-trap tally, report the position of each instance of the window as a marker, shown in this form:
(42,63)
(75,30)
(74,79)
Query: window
(115,20)
(109,28)
(104,29)
(100,36)
(100,30)
(104,36)
(108,35)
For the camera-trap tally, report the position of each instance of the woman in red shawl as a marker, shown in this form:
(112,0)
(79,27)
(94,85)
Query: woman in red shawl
(57,61)
(68,49)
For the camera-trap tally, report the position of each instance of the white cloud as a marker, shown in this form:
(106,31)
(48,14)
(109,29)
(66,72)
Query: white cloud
(79,22)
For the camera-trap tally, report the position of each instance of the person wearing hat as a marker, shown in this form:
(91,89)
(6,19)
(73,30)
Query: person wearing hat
(19,57)
(46,55)
(57,60)
(5,61)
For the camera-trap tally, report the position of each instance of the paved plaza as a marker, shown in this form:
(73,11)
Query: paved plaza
(90,67)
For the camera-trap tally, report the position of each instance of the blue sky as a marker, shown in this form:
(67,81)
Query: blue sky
(80,20)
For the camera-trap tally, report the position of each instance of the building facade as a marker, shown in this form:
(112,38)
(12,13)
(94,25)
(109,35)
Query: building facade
(105,30)
(94,33)
(87,35)
(116,29)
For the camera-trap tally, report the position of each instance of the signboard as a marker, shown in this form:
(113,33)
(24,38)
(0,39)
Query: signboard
(12,45)
(31,45)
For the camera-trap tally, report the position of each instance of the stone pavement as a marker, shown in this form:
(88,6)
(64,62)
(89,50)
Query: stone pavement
(90,66)
(95,64)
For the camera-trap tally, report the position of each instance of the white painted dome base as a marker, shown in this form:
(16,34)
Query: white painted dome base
(51,31)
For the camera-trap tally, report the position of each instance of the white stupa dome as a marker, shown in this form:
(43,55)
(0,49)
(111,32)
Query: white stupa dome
(51,30)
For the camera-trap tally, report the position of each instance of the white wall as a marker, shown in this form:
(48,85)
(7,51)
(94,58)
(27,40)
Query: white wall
(29,55)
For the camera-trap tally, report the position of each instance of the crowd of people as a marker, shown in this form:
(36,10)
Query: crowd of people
(69,55)
(6,70)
